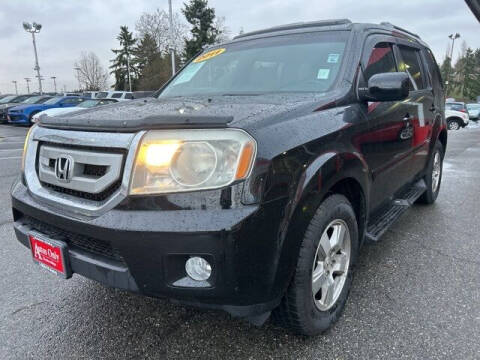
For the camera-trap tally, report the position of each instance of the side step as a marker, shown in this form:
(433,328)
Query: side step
(380,223)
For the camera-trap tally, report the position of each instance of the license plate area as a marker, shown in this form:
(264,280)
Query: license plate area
(50,254)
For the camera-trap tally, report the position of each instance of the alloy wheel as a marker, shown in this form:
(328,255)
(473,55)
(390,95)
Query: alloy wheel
(331,264)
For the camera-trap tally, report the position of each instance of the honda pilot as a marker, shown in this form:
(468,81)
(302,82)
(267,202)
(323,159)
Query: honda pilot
(251,180)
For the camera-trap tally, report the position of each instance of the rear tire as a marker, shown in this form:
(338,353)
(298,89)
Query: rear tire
(453,125)
(433,179)
(320,286)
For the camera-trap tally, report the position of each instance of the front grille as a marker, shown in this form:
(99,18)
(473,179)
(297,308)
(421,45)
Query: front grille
(85,243)
(95,169)
(100,197)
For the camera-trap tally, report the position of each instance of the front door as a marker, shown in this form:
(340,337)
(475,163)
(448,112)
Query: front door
(387,144)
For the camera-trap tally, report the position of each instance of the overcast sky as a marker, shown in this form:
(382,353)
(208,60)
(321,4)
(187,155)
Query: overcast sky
(70,27)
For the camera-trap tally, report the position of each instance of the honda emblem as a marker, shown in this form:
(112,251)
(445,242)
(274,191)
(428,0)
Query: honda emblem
(64,168)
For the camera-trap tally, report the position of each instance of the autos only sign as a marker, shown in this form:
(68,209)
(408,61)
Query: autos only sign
(47,254)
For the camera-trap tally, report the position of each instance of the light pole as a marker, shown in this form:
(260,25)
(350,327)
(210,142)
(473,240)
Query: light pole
(35,28)
(172,48)
(78,77)
(28,85)
(453,37)
(128,70)
(54,83)
(16,89)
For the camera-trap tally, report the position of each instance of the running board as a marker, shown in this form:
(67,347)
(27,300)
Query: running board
(380,223)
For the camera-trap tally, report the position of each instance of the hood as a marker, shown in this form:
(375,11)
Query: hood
(57,111)
(25,107)
(215,111)
(7,105)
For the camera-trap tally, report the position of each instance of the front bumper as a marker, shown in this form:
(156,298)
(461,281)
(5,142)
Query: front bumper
(17,118)
(145,251)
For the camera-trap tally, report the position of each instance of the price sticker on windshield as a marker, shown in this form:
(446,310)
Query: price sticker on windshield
(209,55)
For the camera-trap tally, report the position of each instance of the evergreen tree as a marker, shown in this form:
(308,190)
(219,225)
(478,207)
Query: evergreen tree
(120,63)
(204,32)
(145,53)
(446,71)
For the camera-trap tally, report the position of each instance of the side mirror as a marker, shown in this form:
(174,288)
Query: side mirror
(386,87)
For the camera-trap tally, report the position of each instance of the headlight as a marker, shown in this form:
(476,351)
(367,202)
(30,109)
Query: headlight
(187,160)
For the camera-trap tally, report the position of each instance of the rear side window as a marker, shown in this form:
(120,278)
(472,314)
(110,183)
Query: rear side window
(128,96)
(117,95)
(434,70)
(381,60)
(411,64)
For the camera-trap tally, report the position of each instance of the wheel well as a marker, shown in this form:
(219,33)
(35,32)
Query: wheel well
(443,139)
(457,119)
(351,189)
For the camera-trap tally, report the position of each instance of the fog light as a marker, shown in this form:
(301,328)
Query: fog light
(198,268)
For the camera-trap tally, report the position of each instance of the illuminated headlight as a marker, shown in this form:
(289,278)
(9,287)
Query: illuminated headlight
(187,160)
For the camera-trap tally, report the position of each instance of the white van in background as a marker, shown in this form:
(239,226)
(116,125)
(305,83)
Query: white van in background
(119,95)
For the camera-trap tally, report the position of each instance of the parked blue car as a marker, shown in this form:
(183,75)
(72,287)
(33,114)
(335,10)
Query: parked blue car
(23,114)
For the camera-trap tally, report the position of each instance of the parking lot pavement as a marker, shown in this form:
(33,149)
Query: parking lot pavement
(416,293)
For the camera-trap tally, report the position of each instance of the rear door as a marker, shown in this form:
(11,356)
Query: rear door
(387,144)
(421,98)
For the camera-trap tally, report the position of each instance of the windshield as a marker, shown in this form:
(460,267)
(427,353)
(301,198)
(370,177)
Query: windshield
(102,94)
(53,100)
(88,104)
(35,100)
(453,106)
(473,106)
(294,63)
(7,99)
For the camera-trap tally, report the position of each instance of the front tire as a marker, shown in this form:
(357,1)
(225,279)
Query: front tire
(433,178)
(323,276)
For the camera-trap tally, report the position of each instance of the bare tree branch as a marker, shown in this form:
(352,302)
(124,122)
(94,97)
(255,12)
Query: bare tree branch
(91,74)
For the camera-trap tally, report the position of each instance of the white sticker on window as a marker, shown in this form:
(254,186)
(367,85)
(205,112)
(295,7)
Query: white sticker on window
(323,74)
(188,73)
(333,58)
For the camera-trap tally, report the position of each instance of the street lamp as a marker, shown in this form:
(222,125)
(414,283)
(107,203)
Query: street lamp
(16,89)
(28,85)
(35,28)
(453,37)
(54,83)
(172,48)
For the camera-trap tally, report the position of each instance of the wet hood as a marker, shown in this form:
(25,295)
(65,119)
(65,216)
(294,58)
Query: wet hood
(25,106)
(8,105)
(218,111)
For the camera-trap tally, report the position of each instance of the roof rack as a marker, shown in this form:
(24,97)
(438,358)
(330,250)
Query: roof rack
(300,25)
(386,23)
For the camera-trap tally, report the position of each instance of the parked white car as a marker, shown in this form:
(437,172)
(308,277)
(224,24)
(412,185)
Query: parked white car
(84,105)
(473,111)
(456,119)
(119,95)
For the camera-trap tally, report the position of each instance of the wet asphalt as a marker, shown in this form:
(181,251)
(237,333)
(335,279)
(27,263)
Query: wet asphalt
(416,293)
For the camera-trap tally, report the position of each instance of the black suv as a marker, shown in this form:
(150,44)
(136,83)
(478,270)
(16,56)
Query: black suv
(251,180)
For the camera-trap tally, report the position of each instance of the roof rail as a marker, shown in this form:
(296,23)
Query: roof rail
(386,23)
(294,26)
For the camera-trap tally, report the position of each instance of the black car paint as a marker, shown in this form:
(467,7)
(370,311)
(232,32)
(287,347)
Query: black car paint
(309,145)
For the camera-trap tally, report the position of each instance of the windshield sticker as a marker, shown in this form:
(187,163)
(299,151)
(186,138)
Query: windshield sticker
(323,74)
(333,58)
(209,55)
(188,73)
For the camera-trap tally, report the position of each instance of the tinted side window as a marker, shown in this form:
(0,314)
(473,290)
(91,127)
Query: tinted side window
(411,64)
(117,95)
(381,60)
(128,96)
